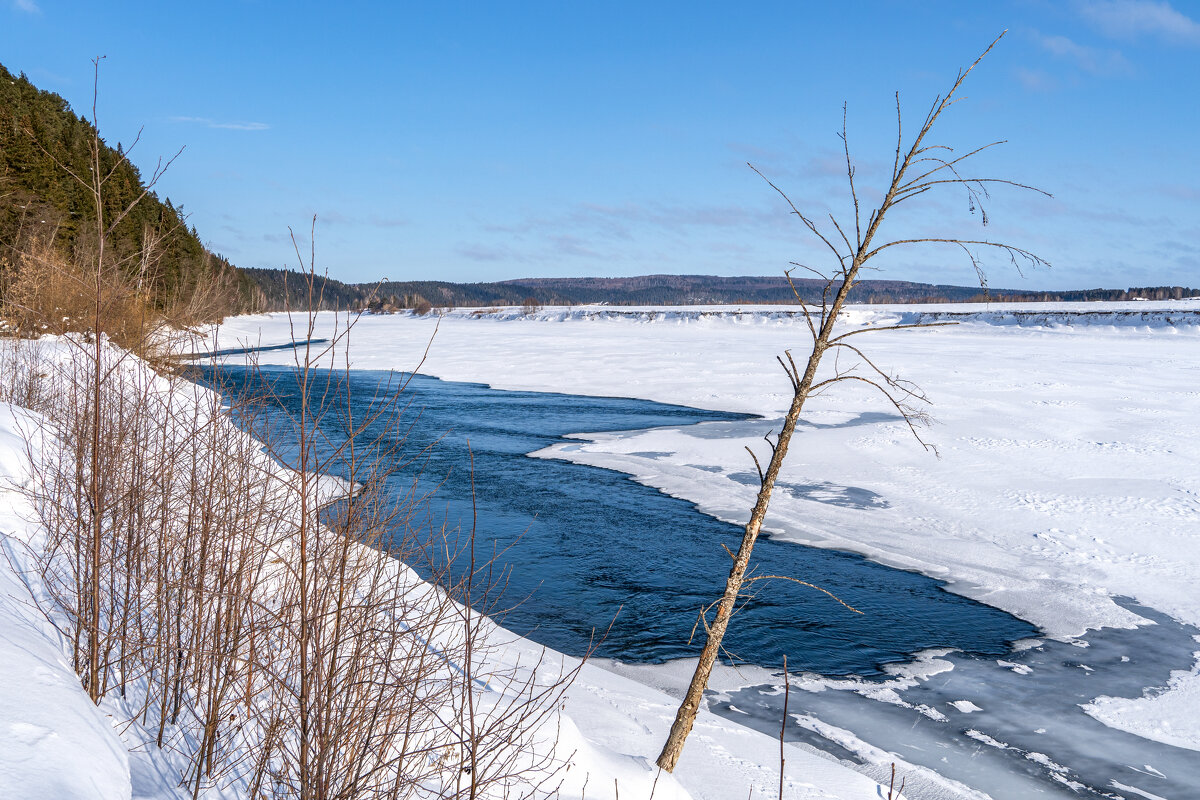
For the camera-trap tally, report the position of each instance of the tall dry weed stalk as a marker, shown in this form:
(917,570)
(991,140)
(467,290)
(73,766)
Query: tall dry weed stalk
(245,612)
(230,603)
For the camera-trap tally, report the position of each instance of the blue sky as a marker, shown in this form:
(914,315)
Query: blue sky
(483,141)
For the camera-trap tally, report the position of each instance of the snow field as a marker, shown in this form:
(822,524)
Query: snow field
(1066,474)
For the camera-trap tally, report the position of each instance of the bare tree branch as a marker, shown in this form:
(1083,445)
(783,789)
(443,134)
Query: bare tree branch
(904,396)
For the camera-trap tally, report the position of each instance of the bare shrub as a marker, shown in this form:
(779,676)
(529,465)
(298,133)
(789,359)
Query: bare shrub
(206,299)
(253,612)
(22,373)
(54,292)
(261,623)
(248,610)
(394,684)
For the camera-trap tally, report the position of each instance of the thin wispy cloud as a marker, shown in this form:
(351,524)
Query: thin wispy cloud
(333,218)
(1180,191)
(387,222)
(229,126)
(1133,18)
(1089,59)
(28,6)
(818,161)
(568,245)
(600,233)
(375,221)
(483,252)
(1036,79)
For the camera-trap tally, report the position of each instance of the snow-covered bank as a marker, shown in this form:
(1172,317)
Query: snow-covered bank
(1067,474)
(57,744)
(54,743)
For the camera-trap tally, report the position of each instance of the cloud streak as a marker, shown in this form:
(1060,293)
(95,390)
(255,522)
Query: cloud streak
(1036,80)
(228,126)
(1089,59)
(1133,18)
(374,220)
(28,6)
(482,252)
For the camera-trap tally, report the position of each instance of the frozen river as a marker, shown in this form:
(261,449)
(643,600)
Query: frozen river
(1067,493)
(584,549)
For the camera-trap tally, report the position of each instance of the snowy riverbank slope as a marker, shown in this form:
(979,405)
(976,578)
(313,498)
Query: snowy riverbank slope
(1067,436)
(55,744)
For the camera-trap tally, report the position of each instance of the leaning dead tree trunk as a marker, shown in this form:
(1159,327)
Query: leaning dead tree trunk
(915,170)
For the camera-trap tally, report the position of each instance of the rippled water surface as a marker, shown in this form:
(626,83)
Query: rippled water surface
(588,547)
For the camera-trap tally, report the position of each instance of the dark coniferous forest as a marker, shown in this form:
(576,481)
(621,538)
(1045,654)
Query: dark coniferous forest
(45,147)
(667,290)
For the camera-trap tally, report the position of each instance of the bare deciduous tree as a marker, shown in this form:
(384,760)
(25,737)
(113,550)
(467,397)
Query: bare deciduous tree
(917,168)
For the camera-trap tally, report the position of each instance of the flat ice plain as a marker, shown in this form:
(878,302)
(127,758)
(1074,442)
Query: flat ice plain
(1067,478)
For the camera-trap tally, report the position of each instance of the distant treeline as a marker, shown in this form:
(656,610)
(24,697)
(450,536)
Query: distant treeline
(279,289)
(42,142)
(657,290)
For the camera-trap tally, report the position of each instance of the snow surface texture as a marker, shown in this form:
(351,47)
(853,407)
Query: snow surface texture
(1067,437)
(1171,716)
(56,744)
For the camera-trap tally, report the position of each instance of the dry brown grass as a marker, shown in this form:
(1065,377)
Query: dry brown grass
(48,291)
(52,292)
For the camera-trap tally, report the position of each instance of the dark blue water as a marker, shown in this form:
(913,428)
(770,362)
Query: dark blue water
(585,547)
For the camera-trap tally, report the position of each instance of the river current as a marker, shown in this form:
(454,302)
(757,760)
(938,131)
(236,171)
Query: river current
(586,550)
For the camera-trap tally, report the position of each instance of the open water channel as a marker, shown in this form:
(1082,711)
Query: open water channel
(587,550)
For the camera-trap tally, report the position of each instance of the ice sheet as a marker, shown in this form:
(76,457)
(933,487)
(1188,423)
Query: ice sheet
(1067,436)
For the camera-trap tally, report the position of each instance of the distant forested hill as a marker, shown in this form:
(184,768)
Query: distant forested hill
(279,289)
(42,141)
(713,290)
(707,290)
(669,290)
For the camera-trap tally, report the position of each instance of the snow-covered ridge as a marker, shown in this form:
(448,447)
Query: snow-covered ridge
(1175,314)
(1073,317)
